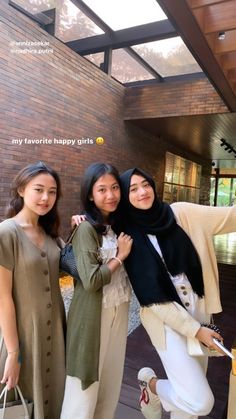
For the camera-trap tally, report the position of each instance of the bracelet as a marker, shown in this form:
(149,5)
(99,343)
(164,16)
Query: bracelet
(118,260)
(13,352)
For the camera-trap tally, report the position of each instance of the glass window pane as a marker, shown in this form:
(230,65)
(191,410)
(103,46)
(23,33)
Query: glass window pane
(223,194)
(127,69)
(182,179)
(182,183)
(182,194)
(96,59)
(212,190)
(126,13)
(169,169)
(176,170)
(188,170)
(198,176)
(36,6)
(233,200)
(167,193)
(72,24)
(169,57)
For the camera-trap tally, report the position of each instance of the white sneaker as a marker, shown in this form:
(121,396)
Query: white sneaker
(150,403)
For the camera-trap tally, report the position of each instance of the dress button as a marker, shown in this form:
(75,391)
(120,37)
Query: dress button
(182,287)
(48,370)
(45,272)
(49,305)
(47,289)
(48,353)
(187,304)
(49,338)
(47,386)
(49,322)
(46,402)
(43,254)
(185,292)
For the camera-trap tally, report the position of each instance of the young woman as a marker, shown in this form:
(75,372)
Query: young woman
(98,315)
(32,347)
(173,271)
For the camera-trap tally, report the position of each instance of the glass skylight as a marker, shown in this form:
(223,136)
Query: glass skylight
(73,24)
(127,69)
(126,13)
(169,57)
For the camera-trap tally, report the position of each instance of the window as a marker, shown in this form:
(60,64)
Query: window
(182,179)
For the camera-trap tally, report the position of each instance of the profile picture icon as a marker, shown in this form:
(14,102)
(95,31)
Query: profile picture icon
(100,141)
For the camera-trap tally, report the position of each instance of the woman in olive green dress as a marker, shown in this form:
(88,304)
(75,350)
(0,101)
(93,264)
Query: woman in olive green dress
(31,308)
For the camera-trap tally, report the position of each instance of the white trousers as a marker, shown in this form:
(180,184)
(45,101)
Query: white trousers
(186,392)
(100,399)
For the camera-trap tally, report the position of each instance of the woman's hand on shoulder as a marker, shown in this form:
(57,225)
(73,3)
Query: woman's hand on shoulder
(76,220)
(124,246)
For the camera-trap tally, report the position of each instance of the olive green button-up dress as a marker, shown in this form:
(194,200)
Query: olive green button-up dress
(40,318)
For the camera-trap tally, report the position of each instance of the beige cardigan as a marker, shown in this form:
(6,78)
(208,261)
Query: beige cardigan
(201,223)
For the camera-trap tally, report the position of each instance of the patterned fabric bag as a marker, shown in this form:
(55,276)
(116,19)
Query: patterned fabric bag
(67,262)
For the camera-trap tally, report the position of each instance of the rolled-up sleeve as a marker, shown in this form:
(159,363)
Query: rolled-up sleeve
(176,317)
(92,273)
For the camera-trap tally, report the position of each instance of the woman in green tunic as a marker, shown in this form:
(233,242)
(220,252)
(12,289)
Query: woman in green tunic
(31,308)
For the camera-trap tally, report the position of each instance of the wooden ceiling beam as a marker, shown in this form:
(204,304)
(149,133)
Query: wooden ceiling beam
(227,60)
(201,3)
(231,74)
(222,46)
(217,17)
(183,17)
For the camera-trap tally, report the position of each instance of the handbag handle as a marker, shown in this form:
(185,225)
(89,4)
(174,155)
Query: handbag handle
(69,240)
(17,390)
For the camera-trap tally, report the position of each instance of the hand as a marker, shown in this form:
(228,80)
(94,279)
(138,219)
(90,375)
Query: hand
(76,220)
(11,370)
(206,335)
(124,246)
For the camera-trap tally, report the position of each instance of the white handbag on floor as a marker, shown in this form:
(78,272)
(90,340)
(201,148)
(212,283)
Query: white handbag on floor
(19,408)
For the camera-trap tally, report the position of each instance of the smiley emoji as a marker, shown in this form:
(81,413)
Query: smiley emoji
(99,140)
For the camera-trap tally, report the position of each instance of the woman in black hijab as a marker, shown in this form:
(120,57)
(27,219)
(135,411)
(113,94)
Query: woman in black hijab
(171,254)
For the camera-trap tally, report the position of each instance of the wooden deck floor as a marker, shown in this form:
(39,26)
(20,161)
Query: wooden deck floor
(141,353)
(225,248)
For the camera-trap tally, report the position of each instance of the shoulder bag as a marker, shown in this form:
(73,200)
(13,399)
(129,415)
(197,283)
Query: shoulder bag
(67,262)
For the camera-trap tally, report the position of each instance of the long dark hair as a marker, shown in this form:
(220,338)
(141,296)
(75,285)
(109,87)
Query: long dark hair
(93,214)
(49,222)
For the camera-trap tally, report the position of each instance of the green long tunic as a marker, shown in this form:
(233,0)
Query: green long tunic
(84,318)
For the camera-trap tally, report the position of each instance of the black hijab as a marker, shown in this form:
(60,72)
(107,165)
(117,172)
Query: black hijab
(148,273)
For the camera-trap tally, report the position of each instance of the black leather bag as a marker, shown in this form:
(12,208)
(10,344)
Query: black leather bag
(67,258)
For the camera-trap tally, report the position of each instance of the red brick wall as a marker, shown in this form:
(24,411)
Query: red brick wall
(60,95)
(193,97)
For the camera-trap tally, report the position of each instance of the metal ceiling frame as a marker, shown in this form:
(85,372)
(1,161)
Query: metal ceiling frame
(123,38)
(179,15)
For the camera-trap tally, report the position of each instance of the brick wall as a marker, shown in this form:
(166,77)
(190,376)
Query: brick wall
(60,95)
(193,97)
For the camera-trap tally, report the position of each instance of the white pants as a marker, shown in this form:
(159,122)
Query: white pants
(100,399)
(186,392)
